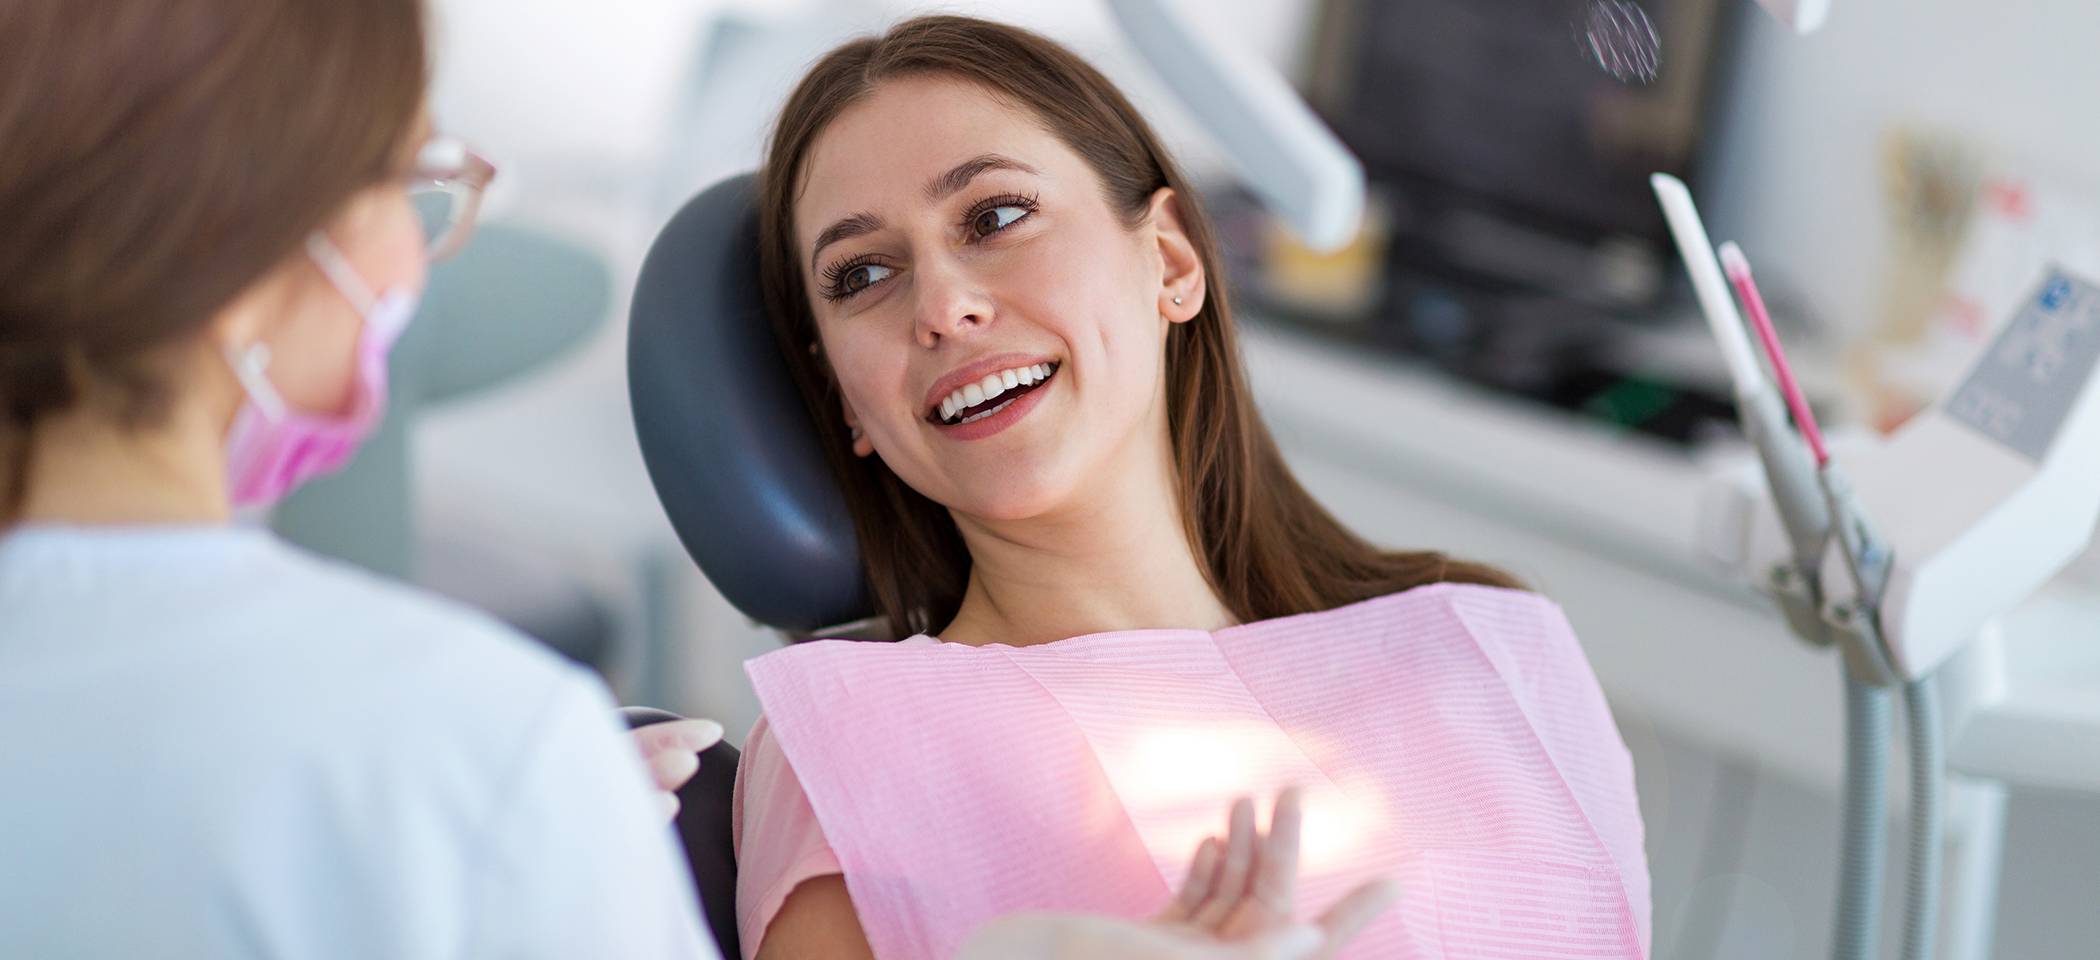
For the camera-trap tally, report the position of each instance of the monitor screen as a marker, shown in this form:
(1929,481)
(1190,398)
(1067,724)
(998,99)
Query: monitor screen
(1499,105)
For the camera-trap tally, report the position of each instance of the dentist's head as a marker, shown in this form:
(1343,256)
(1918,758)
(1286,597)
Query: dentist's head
(209,238)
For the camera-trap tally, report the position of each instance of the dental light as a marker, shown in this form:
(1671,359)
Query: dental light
(1979,501)
(1277,147)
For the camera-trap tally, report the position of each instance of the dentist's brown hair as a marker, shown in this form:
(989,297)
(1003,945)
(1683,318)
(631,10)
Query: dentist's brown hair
(159,156)
(1268,548)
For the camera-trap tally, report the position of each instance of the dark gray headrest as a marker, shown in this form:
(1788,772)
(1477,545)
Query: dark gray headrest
(729,444)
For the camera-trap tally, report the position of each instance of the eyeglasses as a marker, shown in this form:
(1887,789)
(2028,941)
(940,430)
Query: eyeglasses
(444,189)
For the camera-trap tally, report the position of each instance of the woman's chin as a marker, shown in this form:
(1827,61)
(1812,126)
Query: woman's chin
(1007,498)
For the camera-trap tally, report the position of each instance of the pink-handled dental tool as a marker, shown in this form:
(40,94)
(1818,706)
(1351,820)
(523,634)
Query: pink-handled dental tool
(1737,267)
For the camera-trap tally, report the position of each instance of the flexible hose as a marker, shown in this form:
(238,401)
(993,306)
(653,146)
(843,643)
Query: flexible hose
(1928,777)
(1868,713)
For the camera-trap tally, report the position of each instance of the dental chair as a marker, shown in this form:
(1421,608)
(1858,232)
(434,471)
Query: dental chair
(735,459)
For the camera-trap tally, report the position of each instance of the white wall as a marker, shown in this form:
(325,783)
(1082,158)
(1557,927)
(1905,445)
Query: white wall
(1797,177)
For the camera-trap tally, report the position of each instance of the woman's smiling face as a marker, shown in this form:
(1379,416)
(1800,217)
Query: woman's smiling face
(997,330)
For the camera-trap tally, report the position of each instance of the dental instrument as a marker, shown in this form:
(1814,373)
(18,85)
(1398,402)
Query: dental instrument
(1792,475)
(1804,507)
(1281,152)
(1982,497)
(1868,559)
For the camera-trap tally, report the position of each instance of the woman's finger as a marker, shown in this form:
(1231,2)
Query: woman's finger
(689,735)
(1349,916)
(672,768)
(1272,885)
(1233,872)
(1275,882)
(1197,888)
(672,749)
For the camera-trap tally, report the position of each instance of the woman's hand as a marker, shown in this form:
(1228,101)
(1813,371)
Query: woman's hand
(672,750)
(1236,905)
(1245,887)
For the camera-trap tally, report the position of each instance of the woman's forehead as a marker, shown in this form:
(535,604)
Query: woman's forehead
(888,152)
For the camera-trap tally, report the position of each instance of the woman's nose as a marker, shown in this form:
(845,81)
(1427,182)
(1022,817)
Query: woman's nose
(949,305)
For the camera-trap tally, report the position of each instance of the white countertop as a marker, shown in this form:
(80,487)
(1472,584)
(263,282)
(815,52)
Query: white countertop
(1602,520)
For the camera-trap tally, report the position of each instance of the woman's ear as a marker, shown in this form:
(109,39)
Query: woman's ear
(862,446)
(1182,283)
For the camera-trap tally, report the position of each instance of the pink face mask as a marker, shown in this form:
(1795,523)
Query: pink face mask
(273,448)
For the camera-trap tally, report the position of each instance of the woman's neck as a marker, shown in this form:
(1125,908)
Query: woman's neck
(1119,561)
(88,468)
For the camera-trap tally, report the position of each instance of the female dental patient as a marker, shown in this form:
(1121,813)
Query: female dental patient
(1003,307)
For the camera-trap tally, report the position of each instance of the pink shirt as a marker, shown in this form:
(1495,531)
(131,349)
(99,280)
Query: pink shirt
(779,843)
(1450,736)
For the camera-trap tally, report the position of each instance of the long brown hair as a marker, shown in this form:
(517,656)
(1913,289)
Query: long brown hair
(157,157)
(1268,548)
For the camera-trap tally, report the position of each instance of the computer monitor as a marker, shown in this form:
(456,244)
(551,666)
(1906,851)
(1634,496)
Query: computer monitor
(1506,149)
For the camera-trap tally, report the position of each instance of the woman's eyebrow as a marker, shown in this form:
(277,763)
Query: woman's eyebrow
(959,176)
(857,225)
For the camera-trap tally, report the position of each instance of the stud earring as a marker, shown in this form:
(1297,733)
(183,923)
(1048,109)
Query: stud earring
(856,434)
(1177,301)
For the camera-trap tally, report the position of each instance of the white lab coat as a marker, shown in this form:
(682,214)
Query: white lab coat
(215,745)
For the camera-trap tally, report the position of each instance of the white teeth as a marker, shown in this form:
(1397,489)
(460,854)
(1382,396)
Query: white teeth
(991,387)
(987,413)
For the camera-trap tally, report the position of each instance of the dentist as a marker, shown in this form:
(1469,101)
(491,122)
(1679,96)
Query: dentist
(214,744)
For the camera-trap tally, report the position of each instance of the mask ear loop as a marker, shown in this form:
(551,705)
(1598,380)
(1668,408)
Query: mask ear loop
(249,368)
(338,270)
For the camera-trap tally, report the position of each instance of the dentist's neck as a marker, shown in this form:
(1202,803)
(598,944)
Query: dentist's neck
(86,467)
(1117,560)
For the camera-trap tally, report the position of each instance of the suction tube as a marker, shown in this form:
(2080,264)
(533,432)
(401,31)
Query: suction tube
(1868,713)
(1928,776)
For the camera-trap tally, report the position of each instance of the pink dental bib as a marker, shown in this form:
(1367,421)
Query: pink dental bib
(1451,737)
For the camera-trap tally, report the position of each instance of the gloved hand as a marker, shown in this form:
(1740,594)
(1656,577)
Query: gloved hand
(672,751)
(1236,905)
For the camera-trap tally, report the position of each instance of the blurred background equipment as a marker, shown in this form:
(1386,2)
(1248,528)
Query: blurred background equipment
(1516,243)
(1620,39)
(1305,177)
(1801,16)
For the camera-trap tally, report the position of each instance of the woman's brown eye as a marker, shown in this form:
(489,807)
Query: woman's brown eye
(857,279)
(994,220)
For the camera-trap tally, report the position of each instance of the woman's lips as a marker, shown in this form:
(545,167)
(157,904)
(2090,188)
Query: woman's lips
(979,396)
(1000,413)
